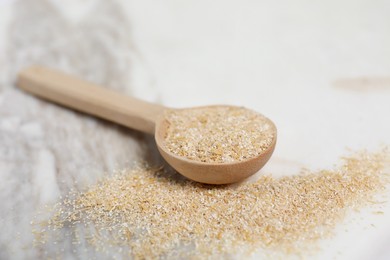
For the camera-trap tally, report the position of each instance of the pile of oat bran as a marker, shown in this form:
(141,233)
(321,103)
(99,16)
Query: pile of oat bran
(150,215)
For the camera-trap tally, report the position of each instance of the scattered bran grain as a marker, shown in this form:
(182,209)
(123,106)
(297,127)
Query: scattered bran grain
(218,134)
(151,215)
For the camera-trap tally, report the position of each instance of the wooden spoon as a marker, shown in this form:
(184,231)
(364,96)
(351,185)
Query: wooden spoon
(86,97)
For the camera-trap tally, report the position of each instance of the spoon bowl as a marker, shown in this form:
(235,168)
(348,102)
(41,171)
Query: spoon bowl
(150,118)
(211,173)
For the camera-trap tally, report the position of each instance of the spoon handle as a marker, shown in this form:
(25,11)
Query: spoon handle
(86,97)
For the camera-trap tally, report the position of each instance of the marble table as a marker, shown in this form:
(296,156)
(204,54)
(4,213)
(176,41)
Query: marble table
(320,70)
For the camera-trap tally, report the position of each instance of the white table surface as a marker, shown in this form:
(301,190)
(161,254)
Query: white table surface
(320,70)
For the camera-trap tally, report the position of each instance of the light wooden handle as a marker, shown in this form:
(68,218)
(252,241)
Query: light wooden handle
(86,97)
